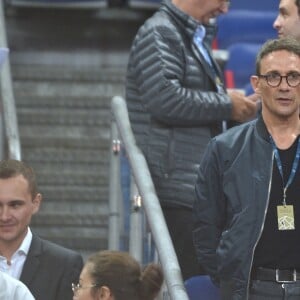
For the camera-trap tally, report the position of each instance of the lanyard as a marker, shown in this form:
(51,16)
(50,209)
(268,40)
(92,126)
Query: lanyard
(279,165)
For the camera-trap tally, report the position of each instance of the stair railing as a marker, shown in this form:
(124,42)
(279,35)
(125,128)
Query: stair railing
(114,224)
(9,114)
(151,203)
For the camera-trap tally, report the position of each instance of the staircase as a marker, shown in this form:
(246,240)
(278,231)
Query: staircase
(66,66)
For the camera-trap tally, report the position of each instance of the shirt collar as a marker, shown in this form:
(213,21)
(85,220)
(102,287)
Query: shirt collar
(24,247)
(200,33)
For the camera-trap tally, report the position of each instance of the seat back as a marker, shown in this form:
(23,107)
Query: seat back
(262,5)
(240,64)
(201,287)
(239,26)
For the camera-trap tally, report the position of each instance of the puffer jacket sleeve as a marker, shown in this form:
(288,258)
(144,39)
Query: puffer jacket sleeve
(160,58)
(209,210)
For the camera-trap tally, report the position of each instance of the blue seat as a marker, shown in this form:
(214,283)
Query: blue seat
(240,64)
(263,5)
(248,89)
(201,288)
(244,26)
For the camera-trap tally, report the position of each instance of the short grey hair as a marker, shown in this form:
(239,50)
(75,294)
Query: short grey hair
(288,43)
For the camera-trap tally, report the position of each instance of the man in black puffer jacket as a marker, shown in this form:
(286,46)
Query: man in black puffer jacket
(177,102)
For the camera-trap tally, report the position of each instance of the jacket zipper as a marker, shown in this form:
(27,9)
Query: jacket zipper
(262,226)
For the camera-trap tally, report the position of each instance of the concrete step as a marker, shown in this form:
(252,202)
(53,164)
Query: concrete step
(79,66)
(69,90)
(66,207)
(69,174)
(77,59)
(61,136)
(23,99)
(81,194)
(64,117)
(71,221)
(66,155)
(66,67)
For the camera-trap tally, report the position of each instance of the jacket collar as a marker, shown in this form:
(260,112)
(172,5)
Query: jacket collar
(189,25)
(32,261)
(262,128)
(185,21)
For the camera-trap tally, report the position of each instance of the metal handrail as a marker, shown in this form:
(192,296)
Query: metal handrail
(151,203)
(8,101)
(114,190)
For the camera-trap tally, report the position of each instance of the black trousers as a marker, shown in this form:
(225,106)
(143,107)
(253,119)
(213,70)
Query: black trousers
(269,290)
(180,224)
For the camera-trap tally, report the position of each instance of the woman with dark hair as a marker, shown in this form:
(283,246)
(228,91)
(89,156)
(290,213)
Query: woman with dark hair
(114,275)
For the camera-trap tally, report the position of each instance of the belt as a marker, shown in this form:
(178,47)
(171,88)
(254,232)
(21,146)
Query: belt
(276,275)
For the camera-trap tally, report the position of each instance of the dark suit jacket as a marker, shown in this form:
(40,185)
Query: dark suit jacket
(50,269)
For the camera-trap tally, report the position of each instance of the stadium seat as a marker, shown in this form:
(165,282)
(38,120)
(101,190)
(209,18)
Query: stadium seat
(244,26)
(248,89)
(240,64)
(201,287)
(262,5)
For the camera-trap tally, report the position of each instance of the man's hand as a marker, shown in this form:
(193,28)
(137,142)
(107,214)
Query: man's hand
(243,108)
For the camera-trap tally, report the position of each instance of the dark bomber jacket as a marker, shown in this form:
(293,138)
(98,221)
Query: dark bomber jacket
(173,104)
(232,195)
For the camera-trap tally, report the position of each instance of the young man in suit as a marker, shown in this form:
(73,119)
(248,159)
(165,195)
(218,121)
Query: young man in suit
(47,269)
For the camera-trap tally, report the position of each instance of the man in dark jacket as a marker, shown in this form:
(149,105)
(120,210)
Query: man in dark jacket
(47,269)
(177,102)
(247,209)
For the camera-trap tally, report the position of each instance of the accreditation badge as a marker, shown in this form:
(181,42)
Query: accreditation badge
(285,217)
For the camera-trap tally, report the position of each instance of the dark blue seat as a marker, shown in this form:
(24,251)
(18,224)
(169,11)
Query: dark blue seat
(201,288)
(240,64)
(263,5)
(248,89)
(245,26)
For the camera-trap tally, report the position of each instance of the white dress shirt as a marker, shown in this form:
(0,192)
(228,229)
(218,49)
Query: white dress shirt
(13,289)
(15,266)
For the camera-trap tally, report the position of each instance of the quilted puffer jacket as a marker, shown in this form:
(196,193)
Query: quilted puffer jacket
(173,103)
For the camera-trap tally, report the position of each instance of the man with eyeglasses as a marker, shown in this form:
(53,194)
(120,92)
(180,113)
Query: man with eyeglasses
(247,208)
(177,102)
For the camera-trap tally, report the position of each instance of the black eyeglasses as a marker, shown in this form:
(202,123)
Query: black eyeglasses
(274,79)
(78,286)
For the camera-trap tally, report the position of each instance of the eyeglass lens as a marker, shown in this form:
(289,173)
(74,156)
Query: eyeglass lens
(274,79)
